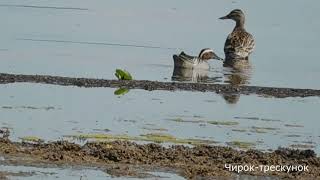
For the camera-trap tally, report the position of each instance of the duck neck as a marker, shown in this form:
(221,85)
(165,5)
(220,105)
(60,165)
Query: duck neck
(239,24)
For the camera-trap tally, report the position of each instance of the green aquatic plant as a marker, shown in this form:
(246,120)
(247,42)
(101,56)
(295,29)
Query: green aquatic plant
(262,130)
(155,129)
(167,138)
(121,91)
(185,121)
(302,146)
(223,123)
(159,137)
(123,75)
(32,139)
(265,128)
(239,130)
(151,137)
(241,144)
(293,125)
(102,136)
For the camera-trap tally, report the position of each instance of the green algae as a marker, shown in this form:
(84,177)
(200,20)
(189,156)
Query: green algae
(241,144)
(103,136)
(302,146)
(31,139)
(239,130)
(186,121)
(155,129)
(150,137)
(159,137)
(261,130)
(265,128)
(223,123)
(293,125)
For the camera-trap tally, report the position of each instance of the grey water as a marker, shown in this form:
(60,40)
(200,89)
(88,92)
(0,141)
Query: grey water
(80,38)
(52,112)
(76,173)
(91,39)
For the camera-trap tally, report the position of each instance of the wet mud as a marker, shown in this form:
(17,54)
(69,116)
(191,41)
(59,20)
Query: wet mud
(120,158)
(155,85)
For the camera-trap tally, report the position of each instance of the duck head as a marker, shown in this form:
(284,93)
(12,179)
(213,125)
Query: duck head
(207,54)
(237,15)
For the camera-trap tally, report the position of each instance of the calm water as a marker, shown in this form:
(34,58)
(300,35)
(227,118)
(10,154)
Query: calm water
(286,33)
(80,38)
(55,111)
(75,173)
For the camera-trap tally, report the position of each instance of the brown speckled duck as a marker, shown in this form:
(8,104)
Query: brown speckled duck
(200,62)
(239,44)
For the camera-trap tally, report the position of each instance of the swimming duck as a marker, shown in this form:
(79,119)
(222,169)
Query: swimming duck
(239,44)
(186,61)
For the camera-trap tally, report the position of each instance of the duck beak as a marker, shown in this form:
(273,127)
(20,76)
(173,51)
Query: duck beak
(218,58)
(224,17)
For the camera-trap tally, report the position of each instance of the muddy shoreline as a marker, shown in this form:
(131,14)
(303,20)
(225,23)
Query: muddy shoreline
(189,162)
(155,85)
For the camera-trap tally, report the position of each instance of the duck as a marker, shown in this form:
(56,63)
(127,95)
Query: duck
(184,60)
(239,43)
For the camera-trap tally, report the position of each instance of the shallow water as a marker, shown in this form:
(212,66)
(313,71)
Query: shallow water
(76,173)
(91,39)
(80,38)
(51,112)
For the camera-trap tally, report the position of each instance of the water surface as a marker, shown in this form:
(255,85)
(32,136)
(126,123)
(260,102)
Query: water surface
(51,112)
(91,39)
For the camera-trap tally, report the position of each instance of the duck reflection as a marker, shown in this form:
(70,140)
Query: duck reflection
(192,75)
(236,75)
